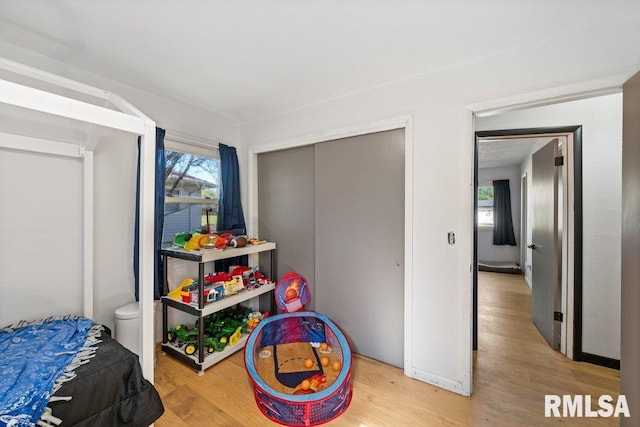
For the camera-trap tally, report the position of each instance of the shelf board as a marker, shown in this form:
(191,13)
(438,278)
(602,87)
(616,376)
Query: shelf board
(209,359)
(215,306)
(204,256)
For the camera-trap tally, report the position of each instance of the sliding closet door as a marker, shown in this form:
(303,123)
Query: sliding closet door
(359,240)
(286,209)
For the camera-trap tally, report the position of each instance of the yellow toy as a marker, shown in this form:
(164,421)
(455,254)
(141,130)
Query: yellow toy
(233,286)
(177,292)
(233,339)
(193,243)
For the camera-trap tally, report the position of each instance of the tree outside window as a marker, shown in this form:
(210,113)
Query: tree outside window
(192,184)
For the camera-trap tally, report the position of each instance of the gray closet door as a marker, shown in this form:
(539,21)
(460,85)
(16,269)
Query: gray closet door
(286,210)
(359,240)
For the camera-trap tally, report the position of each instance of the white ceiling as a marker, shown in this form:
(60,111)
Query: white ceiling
(496,153)
(255,59)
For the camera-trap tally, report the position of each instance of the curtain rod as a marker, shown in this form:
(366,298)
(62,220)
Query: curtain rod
(183,138)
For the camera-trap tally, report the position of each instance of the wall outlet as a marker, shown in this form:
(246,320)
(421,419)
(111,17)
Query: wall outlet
(451,237)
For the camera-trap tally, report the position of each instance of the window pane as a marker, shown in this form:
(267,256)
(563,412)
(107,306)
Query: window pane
(189,175)
(485,193)
(195,177)
(184,217)
(485,205)
(485,215)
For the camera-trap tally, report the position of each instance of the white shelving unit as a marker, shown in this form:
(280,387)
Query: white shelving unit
(201,361)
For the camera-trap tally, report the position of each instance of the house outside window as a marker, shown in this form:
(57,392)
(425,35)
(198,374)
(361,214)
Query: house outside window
(485,206)
(192,185)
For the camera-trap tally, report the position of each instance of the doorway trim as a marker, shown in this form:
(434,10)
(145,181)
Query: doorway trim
(401,122)
(574,242)
(524,221)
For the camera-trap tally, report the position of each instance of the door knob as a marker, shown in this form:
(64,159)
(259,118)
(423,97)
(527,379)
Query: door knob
(532,246)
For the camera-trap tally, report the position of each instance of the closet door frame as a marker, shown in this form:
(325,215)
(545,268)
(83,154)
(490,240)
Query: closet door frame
(402,122)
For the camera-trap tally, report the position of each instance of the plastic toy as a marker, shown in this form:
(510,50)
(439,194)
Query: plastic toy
(233,286)
(225,327)
(235,337)
(218,277)
(181,335)
(292,292)
(238,242)
(176,293)
(197,240)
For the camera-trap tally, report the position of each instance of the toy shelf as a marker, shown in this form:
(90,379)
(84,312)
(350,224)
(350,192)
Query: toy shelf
(209,359)
(216,255)
(201,361)
(218,305)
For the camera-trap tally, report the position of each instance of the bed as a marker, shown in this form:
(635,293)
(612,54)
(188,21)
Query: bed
(113,386)
(69,371)
(125,398)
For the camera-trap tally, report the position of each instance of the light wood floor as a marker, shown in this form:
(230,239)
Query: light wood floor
(513,370)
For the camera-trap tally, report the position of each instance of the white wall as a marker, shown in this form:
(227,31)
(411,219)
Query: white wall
(601,119)
(40,241)
(442,198)
(487,251)
(115,169)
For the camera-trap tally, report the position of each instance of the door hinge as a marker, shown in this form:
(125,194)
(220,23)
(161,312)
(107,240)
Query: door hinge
(559,161)
(557,315)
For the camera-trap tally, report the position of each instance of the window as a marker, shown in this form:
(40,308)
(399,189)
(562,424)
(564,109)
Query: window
(192,185)
(485,206)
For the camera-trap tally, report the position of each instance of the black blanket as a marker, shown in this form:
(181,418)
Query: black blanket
(109,391)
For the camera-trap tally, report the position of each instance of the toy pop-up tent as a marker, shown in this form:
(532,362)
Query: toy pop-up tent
(299,361)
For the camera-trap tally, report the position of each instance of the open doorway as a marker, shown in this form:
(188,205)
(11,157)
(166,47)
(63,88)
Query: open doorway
(537,249)
(595,268)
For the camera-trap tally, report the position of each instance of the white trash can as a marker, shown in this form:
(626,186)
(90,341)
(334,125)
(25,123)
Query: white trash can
(128,327)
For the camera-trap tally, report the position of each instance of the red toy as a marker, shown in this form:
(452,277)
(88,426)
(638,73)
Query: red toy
(292,292)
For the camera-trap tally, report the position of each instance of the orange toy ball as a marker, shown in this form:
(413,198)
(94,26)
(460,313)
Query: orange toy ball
(336,366)
(324,361)
(324,346)
(290,294)
(308,363)
(305,384)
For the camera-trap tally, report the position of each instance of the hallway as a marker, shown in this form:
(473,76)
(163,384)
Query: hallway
(515,367)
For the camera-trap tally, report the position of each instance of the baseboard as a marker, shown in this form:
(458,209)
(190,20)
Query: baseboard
(438,381)
(599,360)
(526,279)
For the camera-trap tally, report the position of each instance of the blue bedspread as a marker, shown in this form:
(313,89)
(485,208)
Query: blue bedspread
(32,358)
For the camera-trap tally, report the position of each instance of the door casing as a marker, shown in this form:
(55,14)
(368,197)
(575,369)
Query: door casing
(573,256)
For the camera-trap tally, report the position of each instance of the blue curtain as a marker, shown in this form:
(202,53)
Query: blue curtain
(230,215)
(502,221)
(159,219)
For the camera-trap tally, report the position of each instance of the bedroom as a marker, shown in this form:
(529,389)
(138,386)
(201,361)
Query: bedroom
(439,100)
